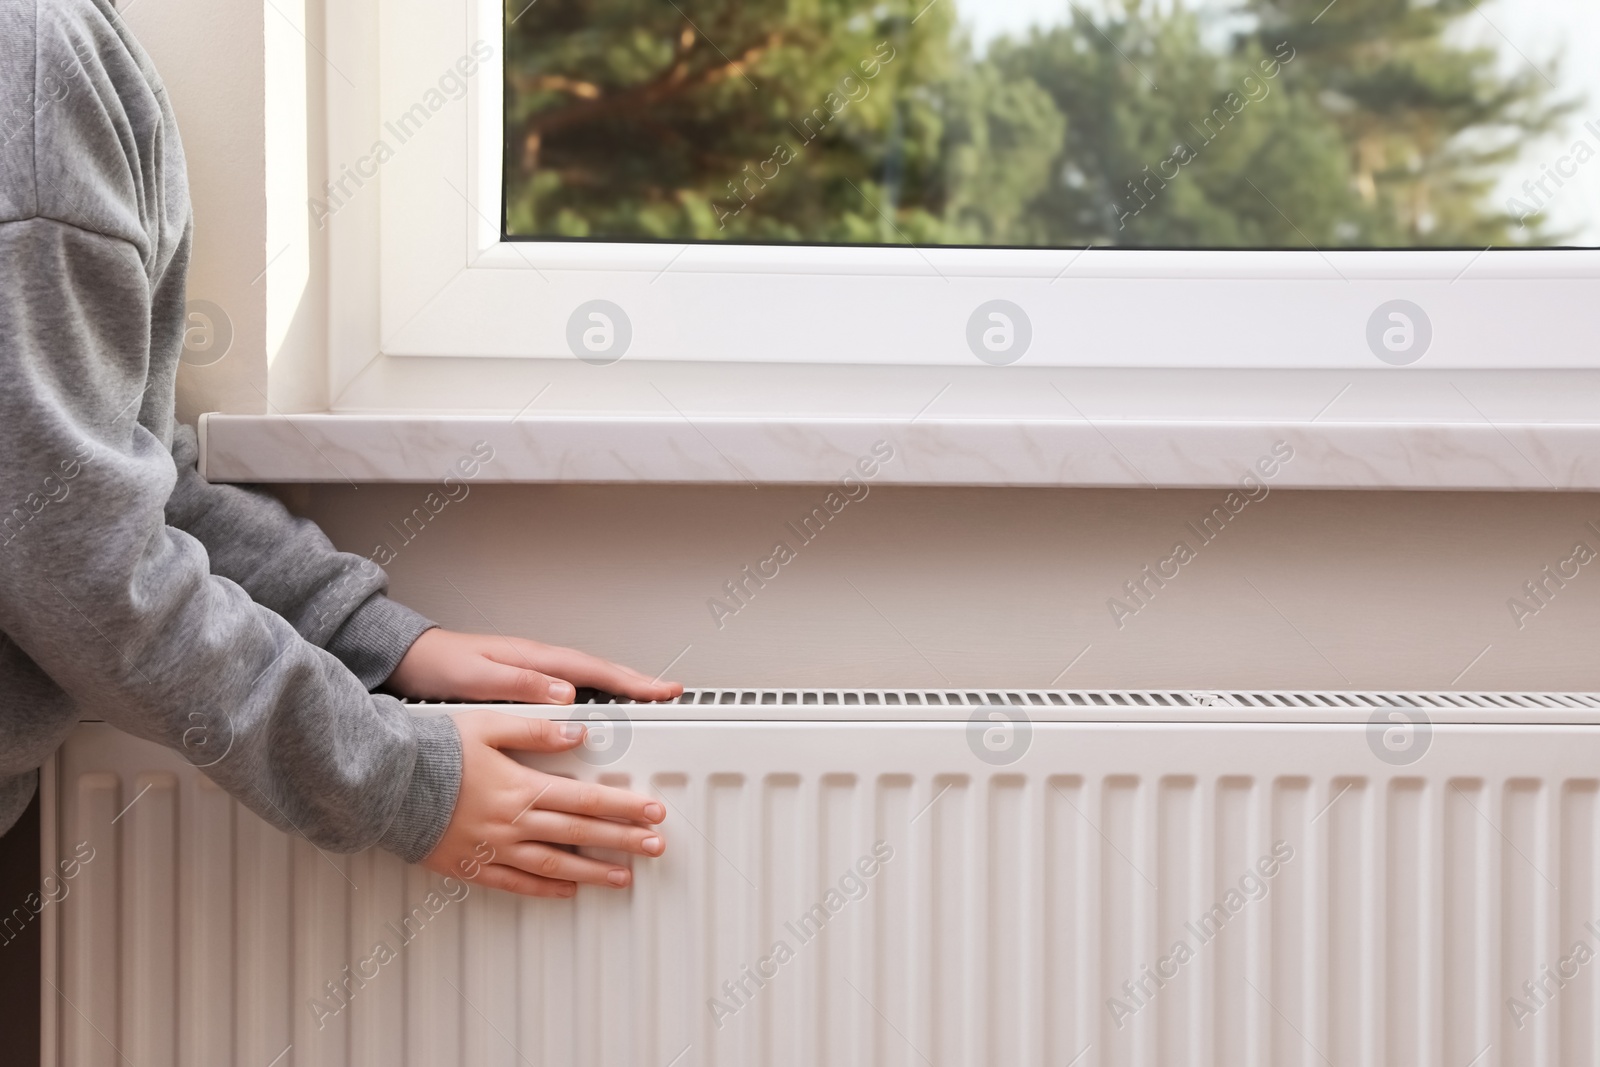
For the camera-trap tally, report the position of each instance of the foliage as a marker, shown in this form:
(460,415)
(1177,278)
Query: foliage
(825,121)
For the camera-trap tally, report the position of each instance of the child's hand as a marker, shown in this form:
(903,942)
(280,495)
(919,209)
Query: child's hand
(443,665)
(505,814)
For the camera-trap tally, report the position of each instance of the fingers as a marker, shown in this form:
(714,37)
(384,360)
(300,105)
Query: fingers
(495,679)
(596,801)
(513,880)
(614,678)
(584,832)
(499,730)
(553,864)
(580,668)
(548,792)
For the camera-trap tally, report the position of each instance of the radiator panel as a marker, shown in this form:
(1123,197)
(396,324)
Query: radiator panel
(1030,913)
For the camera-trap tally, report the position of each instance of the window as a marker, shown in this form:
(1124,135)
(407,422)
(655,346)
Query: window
(515,226)
(1265,185)
(1154,124)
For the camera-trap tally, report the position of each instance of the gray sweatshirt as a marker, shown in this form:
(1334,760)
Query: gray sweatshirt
(205,618)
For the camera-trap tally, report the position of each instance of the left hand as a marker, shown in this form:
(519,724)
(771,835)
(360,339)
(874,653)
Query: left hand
(445,665)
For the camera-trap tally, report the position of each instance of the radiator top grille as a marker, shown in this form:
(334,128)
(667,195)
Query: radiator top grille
(1158,705)
(1117,698)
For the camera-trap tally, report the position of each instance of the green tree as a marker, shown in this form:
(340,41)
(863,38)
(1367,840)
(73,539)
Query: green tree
(1354,124)
(1427,125)
(1173,144)
(766,121)
(752,121)
(1003,136)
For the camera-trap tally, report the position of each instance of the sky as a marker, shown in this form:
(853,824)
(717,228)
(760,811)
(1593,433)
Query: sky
(1540,29)
(1522,31)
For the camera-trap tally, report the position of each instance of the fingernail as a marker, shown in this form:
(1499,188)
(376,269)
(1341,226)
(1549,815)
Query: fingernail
(655,812)
(561,691)
(568,890)
(651,845)
(572,730)
(618,878)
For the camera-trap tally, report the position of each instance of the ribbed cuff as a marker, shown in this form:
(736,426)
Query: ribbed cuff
(431,796)
(375,637)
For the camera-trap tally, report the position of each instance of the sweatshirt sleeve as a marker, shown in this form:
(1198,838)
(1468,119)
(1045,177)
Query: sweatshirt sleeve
(122,610)
(333,599)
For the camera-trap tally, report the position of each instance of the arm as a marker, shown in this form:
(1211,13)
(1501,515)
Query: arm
(121,610)
(333,599)
(117,613)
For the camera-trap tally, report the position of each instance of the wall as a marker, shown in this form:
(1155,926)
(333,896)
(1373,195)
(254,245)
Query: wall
(1322,590)
(247,100)
(212,61)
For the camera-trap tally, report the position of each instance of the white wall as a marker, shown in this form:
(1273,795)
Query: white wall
(212,59)
(247,83)
(1006,587)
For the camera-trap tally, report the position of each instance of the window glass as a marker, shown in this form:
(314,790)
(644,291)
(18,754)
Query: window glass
(1046,123)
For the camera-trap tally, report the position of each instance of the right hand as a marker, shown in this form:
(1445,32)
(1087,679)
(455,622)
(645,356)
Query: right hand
(508,817)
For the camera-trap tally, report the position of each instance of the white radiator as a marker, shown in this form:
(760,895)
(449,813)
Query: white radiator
(1066,878)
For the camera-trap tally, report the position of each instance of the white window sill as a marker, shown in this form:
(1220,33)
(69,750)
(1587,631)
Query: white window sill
(1071,452)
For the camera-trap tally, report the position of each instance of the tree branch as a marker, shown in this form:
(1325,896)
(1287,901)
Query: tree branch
(674,81)
(556,83)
